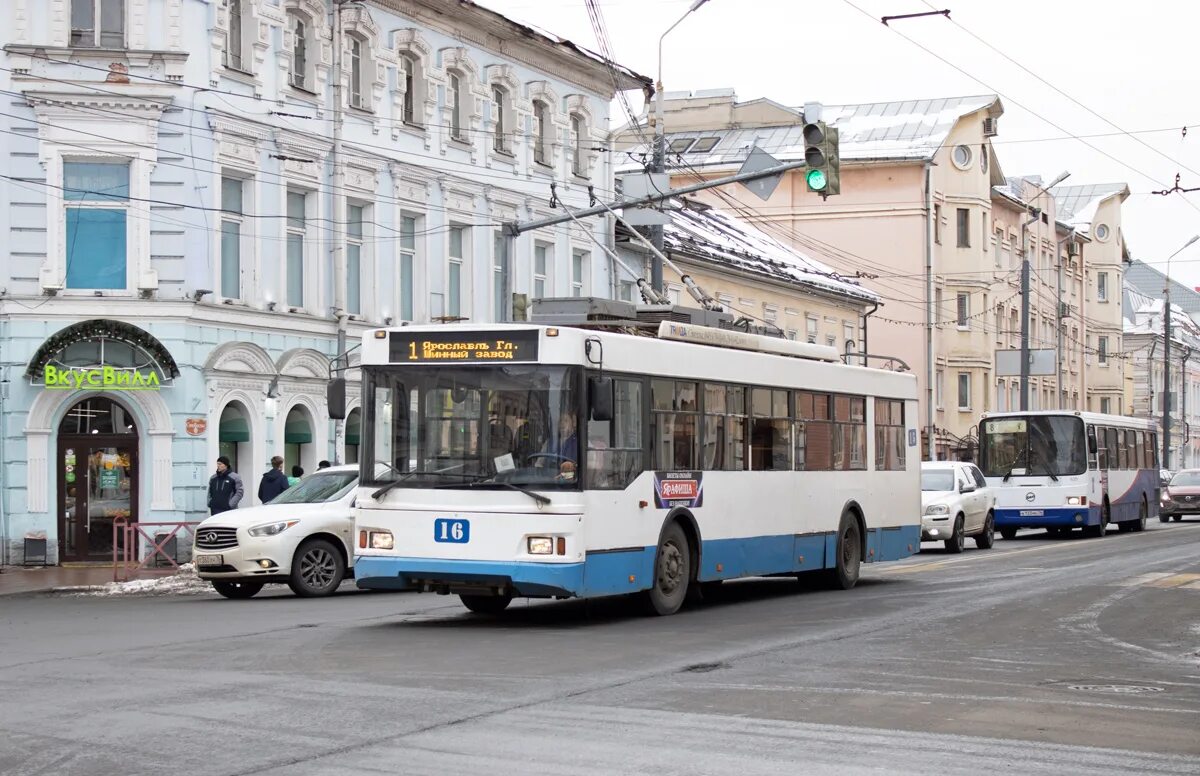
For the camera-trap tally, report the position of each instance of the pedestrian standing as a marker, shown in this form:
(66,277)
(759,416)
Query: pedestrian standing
(297,473)
(224,488)
(273,482)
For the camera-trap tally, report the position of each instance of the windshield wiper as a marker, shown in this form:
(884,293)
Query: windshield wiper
(538,497)
(408,476)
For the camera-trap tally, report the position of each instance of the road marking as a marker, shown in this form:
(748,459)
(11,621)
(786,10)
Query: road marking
(1145,579)
(1175,580)
(937,564)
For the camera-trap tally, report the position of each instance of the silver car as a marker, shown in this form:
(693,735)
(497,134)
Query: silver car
(956,502)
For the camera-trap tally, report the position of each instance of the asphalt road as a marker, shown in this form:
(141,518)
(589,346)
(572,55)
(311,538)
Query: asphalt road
(1041,656)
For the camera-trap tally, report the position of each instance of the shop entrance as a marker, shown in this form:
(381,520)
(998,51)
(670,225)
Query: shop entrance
(97,477)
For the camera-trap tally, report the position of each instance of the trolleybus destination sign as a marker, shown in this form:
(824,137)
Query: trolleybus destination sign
(458,347)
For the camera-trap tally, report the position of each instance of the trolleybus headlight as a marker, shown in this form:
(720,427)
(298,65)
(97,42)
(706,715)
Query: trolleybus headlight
(540,545)
(1076,501)
(937,509)
(382,540)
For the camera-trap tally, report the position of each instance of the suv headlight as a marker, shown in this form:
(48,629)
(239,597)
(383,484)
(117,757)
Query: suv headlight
(937,509)
(272,529)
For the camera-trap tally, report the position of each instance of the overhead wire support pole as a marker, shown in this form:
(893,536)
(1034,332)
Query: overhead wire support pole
(898,17)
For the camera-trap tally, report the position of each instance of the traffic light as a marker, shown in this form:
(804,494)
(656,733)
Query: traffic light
(821,149)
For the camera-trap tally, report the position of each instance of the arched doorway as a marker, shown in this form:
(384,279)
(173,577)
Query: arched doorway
(297,440)
(353,434)
(98,477)
(233,436)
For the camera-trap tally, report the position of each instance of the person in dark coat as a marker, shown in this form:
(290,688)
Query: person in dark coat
(273,482)
(224,488)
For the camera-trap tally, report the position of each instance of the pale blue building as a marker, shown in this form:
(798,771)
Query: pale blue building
(192,225)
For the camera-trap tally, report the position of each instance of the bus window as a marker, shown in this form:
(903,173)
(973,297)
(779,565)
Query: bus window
(814,432)
(615,446)
(1114,448)
(889,435)
(1093,448)
(724,428)
(1138,447)
(673,421)
(770,430)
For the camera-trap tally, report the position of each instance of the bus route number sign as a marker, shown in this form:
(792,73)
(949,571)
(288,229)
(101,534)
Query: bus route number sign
(458,347)
(451,531)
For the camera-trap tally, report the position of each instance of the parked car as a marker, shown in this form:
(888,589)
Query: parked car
(302,538)
(1180,496)
(956,502)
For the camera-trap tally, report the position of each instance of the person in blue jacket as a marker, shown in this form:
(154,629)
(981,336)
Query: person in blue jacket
(273,482)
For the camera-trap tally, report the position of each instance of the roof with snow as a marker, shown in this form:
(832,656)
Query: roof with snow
(909,130)
(1147,280)
(715,237)
(1077,205)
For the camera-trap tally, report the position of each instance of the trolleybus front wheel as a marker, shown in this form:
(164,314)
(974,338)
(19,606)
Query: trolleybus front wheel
(672,572)
(486,604)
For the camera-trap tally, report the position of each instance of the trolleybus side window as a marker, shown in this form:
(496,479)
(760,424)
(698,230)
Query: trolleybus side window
(1114,449)
(771,430)
(1093,448)
(850,433)
(814,432)
(724,428)
(673,418)
(616,447)
(1133,439)
(889,435)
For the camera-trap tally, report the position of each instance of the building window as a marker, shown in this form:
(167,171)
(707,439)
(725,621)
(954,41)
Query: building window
(233,46)
(999,327)
(770,313)
(454,96)
(98,24)
(625,290)
(500,131)
(541,266)
(296,233)
(97,198)
(848,336)
(300,33)
(459,240)
(357,87)
(963,312)
(579,163)
(1101,286)
(937,224)
(964,228)
(1001,397)
(810,329)
(937,306)
(408,259)
(964,390)
(231,237)
(1105,405)
(541,132)
(939,389)
(500,269)
(409,67)
(354,252)
(578,263)
(1102,350)
(983,231)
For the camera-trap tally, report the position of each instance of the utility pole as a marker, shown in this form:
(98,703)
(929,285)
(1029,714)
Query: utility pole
(1166,407)
(1035,215)
(1183,392)
(1058,320)
(659,160)
(340,273)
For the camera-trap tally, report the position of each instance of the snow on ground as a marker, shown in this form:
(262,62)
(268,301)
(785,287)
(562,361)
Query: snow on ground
(185,582)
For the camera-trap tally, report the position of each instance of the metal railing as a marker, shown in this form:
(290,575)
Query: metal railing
(127,544)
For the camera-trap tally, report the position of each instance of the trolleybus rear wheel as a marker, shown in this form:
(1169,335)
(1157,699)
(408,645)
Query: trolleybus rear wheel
(849,554)
(486,604)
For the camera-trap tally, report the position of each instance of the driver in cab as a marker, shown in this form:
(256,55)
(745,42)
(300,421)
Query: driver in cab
(567,446)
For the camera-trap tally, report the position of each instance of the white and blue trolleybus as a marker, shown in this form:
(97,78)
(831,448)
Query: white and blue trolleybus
(557,461)
(1062,470)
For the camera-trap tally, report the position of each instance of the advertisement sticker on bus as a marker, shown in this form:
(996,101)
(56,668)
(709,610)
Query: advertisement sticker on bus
(678,489)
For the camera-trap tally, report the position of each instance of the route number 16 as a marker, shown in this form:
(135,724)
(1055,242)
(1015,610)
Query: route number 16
(451,531)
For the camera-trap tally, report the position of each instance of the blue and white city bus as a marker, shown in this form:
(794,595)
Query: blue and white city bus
(698,460)
(1062,470)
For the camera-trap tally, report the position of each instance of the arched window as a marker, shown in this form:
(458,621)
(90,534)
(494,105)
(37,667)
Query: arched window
(541,132)
(233,46)
(578,147)
(301,31)
(408,72)
(454,97)
(500,131)
(358,89)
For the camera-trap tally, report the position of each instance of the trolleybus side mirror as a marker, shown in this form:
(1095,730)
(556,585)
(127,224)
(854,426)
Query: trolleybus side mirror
(1092,444)
(335,397)
(600,397)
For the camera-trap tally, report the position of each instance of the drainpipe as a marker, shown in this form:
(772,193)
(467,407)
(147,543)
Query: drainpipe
(865,349)
(929,297)
(338,249)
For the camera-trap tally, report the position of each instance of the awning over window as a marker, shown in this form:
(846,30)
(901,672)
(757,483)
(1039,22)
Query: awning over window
(297,431)
(234,427)
(353,427)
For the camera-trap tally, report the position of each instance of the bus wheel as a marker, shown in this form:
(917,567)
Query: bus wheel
(672,572)
(1177,518)
(486,604)
(1098,531)
(849,555)
(1140,525)
(1008,532)
(956,541)
(985,540)
(1163,517)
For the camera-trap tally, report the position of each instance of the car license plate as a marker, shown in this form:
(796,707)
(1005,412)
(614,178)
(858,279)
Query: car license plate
(1032,512)
(208,560)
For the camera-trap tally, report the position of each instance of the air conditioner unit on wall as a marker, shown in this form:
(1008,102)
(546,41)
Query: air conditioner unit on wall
(1072,249)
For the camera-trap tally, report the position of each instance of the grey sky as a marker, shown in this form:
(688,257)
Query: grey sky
(1133,63)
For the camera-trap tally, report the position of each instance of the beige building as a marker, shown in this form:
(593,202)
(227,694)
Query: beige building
(756,277)
(926,219)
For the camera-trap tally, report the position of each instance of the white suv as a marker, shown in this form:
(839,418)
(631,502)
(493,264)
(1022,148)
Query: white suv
(956,502)
(304,538)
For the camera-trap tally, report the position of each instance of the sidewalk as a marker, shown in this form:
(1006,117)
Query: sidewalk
(38,579)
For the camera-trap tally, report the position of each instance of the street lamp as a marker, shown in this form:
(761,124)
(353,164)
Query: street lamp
(1166,392)
(660,146)
(1034,215)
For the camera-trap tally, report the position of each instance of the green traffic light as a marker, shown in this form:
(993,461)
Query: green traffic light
(816,179)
